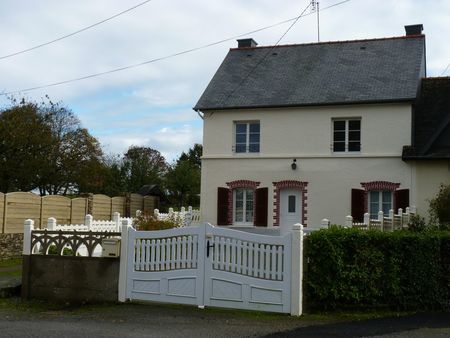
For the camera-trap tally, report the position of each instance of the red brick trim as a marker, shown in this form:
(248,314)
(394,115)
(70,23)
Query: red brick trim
(245,184)
(289,184)
(377,185)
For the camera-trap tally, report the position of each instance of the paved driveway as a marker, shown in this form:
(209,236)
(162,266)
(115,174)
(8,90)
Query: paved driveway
(134,320)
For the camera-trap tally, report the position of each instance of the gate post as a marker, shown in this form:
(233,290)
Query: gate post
(123,260)
(296,269)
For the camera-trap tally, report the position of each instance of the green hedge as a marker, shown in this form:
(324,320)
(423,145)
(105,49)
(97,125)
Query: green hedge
(353,268)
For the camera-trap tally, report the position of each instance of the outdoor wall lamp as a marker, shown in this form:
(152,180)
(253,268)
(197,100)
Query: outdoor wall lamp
(294,164)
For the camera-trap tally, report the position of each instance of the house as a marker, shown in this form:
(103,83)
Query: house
(298,133)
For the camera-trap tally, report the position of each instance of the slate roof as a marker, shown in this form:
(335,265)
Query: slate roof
(343,72)
(431,121)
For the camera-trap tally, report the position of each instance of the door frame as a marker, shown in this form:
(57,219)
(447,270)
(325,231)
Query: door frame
(290,184)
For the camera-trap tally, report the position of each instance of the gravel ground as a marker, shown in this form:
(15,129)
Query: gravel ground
(157,320)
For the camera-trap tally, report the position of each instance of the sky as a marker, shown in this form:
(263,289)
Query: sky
(151,105)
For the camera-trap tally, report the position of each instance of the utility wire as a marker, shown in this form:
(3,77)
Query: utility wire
(74,33)
(165,57)
(265,55)
(445,70)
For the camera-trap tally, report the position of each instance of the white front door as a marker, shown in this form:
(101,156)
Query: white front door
(290,208)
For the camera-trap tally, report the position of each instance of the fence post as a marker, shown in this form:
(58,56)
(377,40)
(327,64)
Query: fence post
(156,213)
(349,221)
(123,268)
(28,227)
(138,213)
(325,223)
(170,211)
(88,221)
(51,223)
(183,210)
(116,219)
(296,270)
(381,219)
(190,208)
(367,219)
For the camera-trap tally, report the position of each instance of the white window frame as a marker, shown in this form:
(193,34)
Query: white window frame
(244,207)
(380,201)
(247,135)
(347,130)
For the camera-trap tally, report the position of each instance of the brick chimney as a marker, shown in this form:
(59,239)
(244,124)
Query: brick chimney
(414,29)
(246,43)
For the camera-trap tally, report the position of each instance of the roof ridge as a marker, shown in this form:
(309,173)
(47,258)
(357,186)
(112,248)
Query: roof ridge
(332,42)
(434,78)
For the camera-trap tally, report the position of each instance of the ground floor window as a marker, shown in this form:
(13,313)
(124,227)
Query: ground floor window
(243,206)
(379,200)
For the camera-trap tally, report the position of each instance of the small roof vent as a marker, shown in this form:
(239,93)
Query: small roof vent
(245,43)
(414,29)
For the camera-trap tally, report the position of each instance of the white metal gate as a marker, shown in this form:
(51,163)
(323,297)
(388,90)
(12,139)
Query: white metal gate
(207,265)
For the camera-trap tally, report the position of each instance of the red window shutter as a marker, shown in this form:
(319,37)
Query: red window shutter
(261,197)
(222,206)
(401,199)
(358,205)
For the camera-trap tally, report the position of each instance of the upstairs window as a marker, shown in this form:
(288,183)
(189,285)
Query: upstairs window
(347,135)
(246,137)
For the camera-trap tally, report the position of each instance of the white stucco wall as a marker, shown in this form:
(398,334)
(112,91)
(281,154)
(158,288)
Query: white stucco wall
(306,134)
(429,175)
(308,131)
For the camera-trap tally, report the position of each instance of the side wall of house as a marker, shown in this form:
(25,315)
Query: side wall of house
(429,175)
(306,135)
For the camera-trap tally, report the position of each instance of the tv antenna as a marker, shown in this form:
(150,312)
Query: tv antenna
(315,8)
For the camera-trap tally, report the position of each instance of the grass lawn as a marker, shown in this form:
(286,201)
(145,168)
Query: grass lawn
(11,267)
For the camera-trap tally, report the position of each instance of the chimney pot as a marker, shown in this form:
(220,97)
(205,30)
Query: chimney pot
(243,43)
(414,29)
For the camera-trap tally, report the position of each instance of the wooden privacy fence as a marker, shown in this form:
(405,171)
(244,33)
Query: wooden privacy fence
(16,207)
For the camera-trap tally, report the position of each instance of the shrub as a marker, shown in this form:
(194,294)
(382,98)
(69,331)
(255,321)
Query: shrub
(417,223)
(440,207)
(146,221)
(353,268)
(53,251)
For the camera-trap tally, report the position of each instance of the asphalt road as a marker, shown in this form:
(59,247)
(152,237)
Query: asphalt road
(134,320)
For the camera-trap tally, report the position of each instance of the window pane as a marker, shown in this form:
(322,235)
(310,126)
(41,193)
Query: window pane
(241,138)
(354,135)
(339,136)
(339,146)
(339,125)
(254,138)
(354,125)
(354,146)
(254,148)
(249,205)
(241,128)
(387,196)
(239,194)
(254,127)
(291,203)
(240,148)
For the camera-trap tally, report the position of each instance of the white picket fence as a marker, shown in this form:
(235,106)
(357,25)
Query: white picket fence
(90,224)
(390,223)
(182,218)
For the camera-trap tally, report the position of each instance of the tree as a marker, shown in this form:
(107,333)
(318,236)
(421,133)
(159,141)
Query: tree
(25,139)
(143,165)
(440,207)
(183,178)
(43,145)
(193,155)
(74,154)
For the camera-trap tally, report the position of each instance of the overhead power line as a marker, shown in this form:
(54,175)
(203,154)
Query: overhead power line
(445,70)
(265,55)
(167,56)
(74,33)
